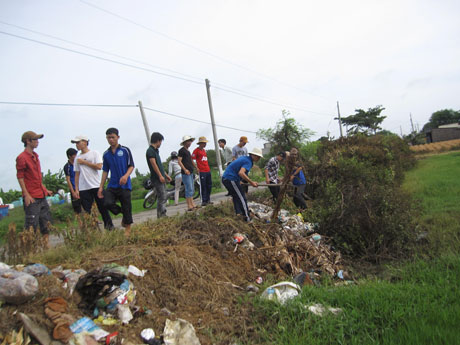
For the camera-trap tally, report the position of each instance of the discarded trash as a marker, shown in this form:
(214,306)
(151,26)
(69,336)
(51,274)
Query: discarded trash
(340,274)
(303,279)
(16,338)
(4,266)
(259,280)
(179,332)
(238,238)
(136,271)
(319,309)
(17,287)
(252,288)
(115,268)
(85,324)
(37,270)
(124,313)
(69,277)
(281,292)
(147,335)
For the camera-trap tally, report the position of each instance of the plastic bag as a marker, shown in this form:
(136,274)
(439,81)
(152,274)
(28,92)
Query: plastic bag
(179,332)
(281,292)
(17,287)
(37,270)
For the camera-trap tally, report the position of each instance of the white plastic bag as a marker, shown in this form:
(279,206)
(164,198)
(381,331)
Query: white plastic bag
(17,287)
(281,292)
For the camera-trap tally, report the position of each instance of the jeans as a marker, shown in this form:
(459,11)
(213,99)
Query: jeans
(275,191)
(238,196)
(160,188)
(38,213)
(205,186)
(111,195)
(188,183)
(88,197)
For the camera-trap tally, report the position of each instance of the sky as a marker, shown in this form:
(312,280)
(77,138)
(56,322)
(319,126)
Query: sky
(261,56)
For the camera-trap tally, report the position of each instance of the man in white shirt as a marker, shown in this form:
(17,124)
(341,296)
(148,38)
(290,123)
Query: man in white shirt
(87,179)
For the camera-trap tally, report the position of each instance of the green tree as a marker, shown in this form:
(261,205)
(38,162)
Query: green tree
(367,122)
(54,182)
(442,117)
(286,134)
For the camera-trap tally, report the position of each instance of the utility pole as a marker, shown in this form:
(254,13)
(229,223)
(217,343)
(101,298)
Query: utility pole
(400,128)
(144,121)
(411,123)
(214,133)
(340,120)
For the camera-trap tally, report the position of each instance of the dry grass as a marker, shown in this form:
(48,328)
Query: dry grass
(434,148)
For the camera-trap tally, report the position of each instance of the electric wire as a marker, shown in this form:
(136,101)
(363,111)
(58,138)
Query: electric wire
(195,120)
(198,49)
(223,87)
(100,58)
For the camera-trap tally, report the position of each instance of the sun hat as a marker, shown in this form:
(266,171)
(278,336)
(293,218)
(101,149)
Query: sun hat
(186,138)
(79,138)
(256,152)
(202,140)
(31,136)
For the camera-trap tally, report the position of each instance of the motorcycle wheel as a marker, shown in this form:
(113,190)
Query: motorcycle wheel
(150,201)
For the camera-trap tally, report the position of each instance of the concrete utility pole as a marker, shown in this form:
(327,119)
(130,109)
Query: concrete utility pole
(340,120)
(144,120)
(214,132)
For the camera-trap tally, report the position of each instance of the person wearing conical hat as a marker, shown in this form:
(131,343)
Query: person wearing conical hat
(201,159)
(234,174)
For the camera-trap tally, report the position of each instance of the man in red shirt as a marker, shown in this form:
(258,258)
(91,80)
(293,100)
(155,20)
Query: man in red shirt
(33,191)
(199,155)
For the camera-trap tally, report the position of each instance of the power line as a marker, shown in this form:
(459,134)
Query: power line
(72,104)
(198,49)
(223,87)
(99,57)
(101,51)
(122,106)
(199,121)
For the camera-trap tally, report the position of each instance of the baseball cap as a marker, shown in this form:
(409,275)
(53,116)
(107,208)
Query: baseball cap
(31,136)
(244,139)
(79,138)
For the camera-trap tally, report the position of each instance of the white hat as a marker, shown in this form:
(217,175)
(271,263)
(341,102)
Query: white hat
(186,138)
(256,152)
(79,138)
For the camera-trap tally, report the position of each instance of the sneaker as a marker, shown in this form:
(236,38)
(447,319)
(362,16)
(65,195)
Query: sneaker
(210,203)
(203,204)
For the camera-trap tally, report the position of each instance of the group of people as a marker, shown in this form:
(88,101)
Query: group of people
(88,187)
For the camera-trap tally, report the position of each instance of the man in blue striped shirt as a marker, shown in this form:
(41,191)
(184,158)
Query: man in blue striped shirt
(119,161)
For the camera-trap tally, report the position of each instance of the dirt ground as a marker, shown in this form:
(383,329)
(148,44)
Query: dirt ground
(195,272)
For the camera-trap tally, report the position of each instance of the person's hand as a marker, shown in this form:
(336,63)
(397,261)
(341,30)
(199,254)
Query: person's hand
(99,193)
(187,172)
(123,180)
(28,200)
(168,178)
(162,179)
(292,178)
(49,192)
(254,184)
(81,161)
(267,181)
(75,195)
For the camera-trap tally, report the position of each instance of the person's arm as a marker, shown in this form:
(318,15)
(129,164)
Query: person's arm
(27,198)
(153,162)
(233,154)
(179,160)
(124,178)
(295,173)
(77,181)
(71,189)
(101,186)
(244,176)
(95,166)
(170,168)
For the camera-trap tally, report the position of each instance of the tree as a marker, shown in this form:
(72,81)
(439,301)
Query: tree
(364,121)
(442,117)
(287,133)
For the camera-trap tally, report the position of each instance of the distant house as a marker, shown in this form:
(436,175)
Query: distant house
(450,131)
(266,149)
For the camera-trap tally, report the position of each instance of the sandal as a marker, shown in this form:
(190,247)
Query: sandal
(190,209)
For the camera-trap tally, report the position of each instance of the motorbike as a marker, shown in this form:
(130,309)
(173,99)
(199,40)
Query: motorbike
(151,197)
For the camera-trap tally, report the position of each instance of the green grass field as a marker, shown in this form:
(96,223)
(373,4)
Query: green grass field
(416,303)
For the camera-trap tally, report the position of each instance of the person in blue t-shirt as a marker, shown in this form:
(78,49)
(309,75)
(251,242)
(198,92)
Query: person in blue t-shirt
(119,161)
(70,178)
(234,174)
(299,182)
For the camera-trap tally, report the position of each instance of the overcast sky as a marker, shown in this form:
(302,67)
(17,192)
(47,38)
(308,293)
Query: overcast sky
(304,56)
